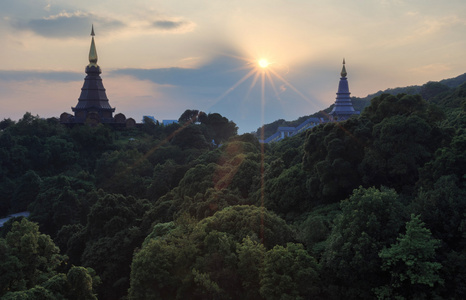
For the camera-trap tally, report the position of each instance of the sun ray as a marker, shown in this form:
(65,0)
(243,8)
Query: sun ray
(235,85)
(292,87)
(253,83)
(272,84)
(269,72)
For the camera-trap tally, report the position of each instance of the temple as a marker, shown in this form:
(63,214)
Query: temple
(93,106)
(343,107)
(342,110)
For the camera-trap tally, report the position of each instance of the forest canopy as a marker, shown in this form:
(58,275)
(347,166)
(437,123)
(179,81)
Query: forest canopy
(372,207)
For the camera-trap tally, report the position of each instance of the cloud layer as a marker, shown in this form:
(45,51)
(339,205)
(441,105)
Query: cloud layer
(176,26)
(14,75)
(66,25)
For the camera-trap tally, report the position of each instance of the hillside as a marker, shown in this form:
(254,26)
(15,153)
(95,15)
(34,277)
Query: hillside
(373,207)
(428,91)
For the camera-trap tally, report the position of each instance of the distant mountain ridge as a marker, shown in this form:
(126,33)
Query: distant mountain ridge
(428,91)
(420,89)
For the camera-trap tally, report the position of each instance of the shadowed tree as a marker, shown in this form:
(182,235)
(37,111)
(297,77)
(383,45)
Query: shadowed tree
(289,273)
(219,127)
(189,115)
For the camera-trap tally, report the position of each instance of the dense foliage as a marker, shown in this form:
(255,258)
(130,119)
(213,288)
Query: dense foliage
(372,207)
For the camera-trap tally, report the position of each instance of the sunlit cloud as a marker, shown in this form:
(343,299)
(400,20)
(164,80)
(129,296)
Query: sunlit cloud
(189,62)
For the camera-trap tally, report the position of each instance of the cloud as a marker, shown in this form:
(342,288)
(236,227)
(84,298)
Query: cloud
(169,25)
(219,72)
(13,75)
(174,26)
(66,24)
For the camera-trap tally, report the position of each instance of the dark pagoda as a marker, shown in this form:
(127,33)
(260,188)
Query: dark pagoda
(93,102)
(343,107)
(93,106)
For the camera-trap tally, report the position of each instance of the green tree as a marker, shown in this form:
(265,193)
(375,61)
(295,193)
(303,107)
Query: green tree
(61,201)
(150,126)
(216,274)
(35,293)
(386,106)
(190,137)
(91,142)
(433,89)
(207,204)
(189,115)
(107,242)
(124,172)
(11,278)
(81,284)
(60,153)
(287,194)
(161,269)
(448,160)
(29,262)
(401,146)
(370,219)
(250,264)
(26,190)
(219,257)
(289,273)
(5,123)
(36,255)
(411,264)
(219,128)
(332,154)
(442,208)
(164,179)
(248,220)
(7,188)
(314,228)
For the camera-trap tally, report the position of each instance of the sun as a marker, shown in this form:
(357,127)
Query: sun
(263,63)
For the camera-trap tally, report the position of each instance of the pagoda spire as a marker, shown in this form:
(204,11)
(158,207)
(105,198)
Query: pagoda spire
(92,51)
(93,102)
(343,107)
(343,70)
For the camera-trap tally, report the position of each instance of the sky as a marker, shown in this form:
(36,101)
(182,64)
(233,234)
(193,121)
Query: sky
(159,58)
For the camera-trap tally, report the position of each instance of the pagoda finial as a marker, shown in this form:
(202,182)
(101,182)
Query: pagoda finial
(343,70)
(92,51)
